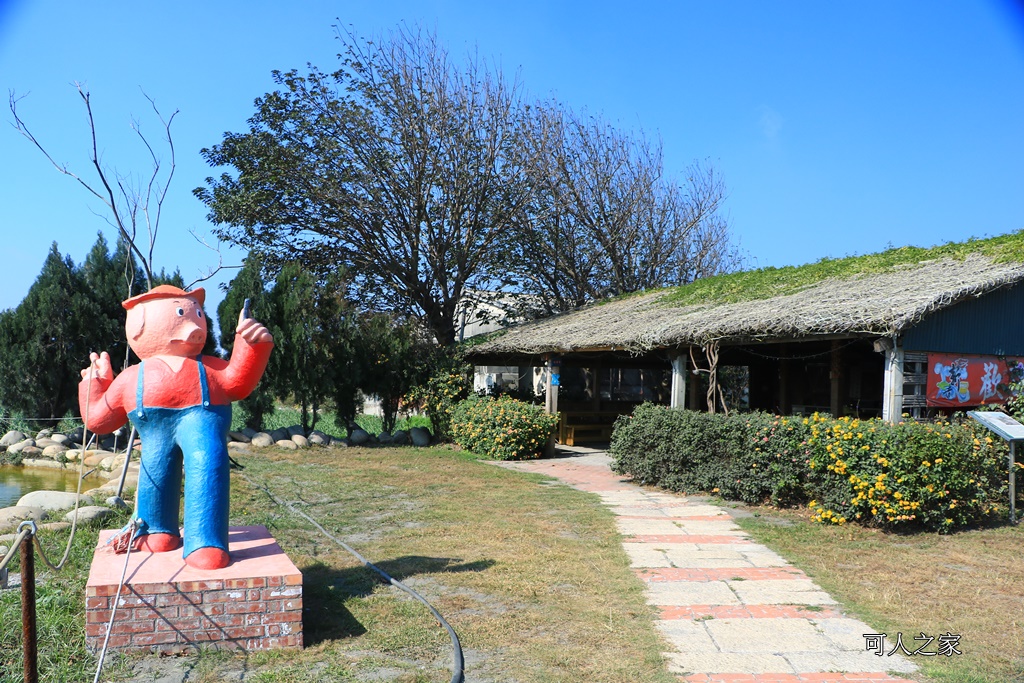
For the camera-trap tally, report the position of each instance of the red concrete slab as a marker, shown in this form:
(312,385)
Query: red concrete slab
(253,551)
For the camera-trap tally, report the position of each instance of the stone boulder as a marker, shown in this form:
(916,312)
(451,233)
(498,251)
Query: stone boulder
(280,434)
(249,432)
(238,445)
(62,439)
(53,450)
(339,443)
(239,436)
(420,436)
(11,517)
(300,441)
(400,438)
(12,437)
(262,440)
(385,437)
(359,437)
(21,445)
(51,500)
(42,462)
(94,458)
(287,444)
(318,438)
(89,513)
(112,462)
(32,452)
(296,430)
(44,441)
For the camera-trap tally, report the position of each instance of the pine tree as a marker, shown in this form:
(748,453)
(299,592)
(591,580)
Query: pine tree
(44,342)
(248,284)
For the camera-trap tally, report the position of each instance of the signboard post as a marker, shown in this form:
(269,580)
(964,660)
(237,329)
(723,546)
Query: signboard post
(1012,431)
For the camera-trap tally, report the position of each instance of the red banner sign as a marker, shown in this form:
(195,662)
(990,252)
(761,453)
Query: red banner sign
(960,380)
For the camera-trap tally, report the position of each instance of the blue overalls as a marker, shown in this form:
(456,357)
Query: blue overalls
(196,435)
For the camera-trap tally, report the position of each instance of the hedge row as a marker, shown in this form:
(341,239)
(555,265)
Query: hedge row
(502,428)
(939,477)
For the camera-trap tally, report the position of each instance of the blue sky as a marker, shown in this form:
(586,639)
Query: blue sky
(839,128)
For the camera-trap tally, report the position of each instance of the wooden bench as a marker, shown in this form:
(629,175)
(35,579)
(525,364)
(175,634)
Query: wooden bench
(579,426)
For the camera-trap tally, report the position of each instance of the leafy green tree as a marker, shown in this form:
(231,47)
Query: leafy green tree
(399,167)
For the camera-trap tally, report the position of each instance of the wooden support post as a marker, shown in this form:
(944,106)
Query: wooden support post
(679,370)
(551,400)
(595,387)
(784,406)
(835,381)
(892,396)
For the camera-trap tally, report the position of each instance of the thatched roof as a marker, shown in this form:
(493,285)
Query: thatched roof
(893,297)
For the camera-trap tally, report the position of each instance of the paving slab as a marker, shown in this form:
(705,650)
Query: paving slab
(691,593)
(780,592)
(727,662)
(771,636)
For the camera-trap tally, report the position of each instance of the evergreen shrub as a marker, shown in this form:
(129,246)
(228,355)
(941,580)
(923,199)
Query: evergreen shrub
(938,477)
(502,428)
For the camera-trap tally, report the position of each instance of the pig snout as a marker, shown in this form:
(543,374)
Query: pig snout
(190,333)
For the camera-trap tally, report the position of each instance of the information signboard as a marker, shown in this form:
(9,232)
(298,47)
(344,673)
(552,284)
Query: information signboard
(1012,431)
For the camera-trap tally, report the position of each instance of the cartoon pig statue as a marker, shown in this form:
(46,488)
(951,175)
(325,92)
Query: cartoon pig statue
(180,403)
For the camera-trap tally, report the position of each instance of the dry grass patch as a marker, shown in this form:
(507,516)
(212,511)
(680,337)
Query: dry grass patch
(532,577)
(969,583)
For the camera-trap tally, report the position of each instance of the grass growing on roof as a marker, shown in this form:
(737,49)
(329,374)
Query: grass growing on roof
(765,283)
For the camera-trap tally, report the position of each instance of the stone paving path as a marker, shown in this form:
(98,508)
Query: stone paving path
(731,610)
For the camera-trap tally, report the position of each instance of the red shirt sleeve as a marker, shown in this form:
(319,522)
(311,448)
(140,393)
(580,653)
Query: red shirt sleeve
(104,409)
(236,378)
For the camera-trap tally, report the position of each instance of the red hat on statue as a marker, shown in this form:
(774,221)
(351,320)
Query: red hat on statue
(165,292)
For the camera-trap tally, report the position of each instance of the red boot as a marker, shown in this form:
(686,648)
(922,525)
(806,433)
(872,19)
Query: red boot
(158,543)
(208,558)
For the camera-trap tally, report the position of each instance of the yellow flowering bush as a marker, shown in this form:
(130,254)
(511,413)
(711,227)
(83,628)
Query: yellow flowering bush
(937,476)
(502,428)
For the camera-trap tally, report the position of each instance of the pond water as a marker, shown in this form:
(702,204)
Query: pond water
(15,482)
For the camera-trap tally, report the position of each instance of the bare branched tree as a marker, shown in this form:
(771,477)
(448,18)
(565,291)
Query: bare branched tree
(134,207)
(604,219)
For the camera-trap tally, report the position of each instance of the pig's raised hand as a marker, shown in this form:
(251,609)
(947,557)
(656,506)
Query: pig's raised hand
(99,368)
(252,331)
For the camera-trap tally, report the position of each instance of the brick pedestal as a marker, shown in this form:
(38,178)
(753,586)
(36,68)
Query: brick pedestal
(255,603)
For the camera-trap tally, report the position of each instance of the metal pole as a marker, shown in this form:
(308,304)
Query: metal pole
(127,461)
(28,609)
(1013,482)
